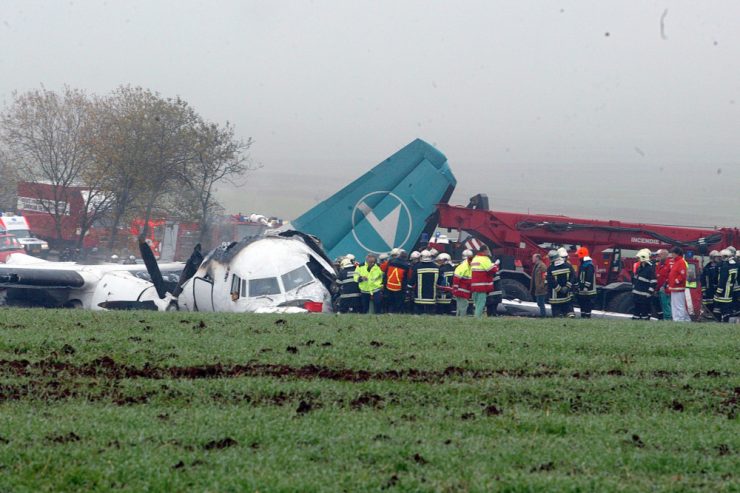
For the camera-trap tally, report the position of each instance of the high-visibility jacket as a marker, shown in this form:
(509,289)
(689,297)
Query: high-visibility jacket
(644,280)
(561,277)
(709,280)
(396,274)
(482,272)
(690,276)
(444,295)
(587,279)
(677,276)
(461,280)
(423,283)
(728,275)
(374,282)
(348,287)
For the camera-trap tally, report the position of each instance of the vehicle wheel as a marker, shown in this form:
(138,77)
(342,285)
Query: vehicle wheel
(515,290)
(621,303)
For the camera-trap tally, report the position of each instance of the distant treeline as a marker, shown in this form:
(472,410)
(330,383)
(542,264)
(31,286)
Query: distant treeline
(137,154)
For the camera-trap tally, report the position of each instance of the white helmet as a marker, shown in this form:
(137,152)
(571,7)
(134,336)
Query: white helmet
(644,255)
(467,253)
(726,253)
(444,257)
(382,257)
(426,256)
(433,252)
(395,252)
(713,253)
(732,250)
(414,255)
(552,254)
(345,263)
(350,257)
(562,252)
(114,257)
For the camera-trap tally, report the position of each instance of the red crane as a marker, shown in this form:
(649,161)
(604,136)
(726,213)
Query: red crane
(514,237)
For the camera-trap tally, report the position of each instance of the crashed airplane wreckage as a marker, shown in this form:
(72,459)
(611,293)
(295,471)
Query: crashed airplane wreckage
(279,272)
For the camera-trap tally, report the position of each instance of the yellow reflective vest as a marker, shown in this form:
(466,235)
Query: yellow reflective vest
(374,282)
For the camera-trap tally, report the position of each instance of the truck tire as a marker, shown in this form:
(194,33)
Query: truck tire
(515,290)
(621,303)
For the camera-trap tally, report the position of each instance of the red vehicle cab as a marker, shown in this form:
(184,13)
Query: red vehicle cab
(9,244)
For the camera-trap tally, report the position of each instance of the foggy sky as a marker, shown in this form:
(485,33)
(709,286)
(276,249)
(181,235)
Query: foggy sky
(581,108)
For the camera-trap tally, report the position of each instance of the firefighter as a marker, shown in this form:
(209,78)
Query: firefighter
(662,270)
(370,280)
(444,284)
(644,283)
(461,284)
(396,276)
(709,280)
(423,284)
(561,278)
(677,286)
(494,297)
(349,291)
(586,283)
(481,279)
(726,285)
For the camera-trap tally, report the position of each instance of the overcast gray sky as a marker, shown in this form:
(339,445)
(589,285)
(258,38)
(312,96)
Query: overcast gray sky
(575,107)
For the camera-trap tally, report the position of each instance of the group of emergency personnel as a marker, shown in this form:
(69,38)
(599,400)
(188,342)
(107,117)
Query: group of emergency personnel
(427,282)
(424,282)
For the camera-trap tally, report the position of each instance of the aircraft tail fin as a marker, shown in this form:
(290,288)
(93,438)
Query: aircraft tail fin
(389,206)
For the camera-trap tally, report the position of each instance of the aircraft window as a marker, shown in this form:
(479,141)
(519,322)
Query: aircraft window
(236,284)
(296,278)
(263,287)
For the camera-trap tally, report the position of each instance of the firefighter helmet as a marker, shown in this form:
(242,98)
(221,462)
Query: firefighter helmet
(582,252)
(644,255)
(383,257)
(395,252)
(350,256)
(552,254)
(426,256)
(713,253)
(467,253)
(563,252)
(345,263)
(726,253)
(414,255)
(444,257)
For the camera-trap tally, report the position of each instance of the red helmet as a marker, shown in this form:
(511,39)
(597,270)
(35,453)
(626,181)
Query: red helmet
(582,252)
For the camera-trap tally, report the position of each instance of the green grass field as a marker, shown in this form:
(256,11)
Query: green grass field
(142,401)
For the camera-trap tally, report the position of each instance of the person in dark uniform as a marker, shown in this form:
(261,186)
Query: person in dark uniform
(709,279)
(396,275)
(644,284)
(444,284)
(349,291)
(494,298)
(726,284)
(423,284)
(561,277)
(586,288)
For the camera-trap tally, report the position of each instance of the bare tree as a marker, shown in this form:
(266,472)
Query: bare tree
(42,133)
(8,184)
(217,156)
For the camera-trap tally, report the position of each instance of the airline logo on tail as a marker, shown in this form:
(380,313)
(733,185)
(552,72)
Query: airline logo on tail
(381,221)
